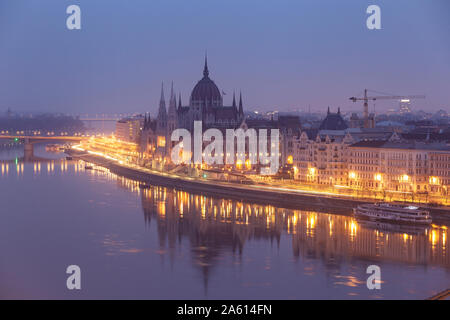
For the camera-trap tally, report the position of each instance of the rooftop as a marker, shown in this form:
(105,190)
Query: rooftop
(414,145)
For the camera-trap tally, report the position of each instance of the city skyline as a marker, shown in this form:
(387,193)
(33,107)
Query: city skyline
(312,56)
(199,151)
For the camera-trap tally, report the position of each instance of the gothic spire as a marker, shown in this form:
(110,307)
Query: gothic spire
(172,96)
(162,104)
(234,99)
(205,69)
(241,108)
(162,94)
(179,101)
(172,102)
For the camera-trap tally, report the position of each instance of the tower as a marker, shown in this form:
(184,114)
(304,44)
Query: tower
(241,108)
(205,98)
(161,128)
(172,121)
(161,125)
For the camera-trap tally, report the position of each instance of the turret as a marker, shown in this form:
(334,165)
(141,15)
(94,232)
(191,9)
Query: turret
(162,113)
(172,115)
(241,108)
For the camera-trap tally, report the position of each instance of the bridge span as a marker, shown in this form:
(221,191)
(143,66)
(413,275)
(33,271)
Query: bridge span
(28,141)
(31,139)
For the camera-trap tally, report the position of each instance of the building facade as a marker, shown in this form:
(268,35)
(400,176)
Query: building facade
(372,160)
(129,129)
(399,166)
(205,104)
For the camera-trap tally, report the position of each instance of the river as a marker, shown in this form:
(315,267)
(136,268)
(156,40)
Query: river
(160,243)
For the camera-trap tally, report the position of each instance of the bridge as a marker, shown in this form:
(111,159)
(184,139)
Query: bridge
(34,139)
(100,119)
(28,141)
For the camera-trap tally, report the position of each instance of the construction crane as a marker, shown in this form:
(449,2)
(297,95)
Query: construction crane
(366,102)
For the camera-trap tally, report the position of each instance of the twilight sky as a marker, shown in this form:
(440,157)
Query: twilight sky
(283,55)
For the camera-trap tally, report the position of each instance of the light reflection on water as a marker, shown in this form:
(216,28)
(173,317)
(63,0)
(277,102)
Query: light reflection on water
(197,246)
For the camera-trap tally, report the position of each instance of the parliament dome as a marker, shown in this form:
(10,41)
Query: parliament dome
(206,89)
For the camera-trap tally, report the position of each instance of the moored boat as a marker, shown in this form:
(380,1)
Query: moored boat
(404,214)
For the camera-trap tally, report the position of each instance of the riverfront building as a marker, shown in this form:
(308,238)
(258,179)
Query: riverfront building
(372,160)
(129,129)
(398,166)
(206,104)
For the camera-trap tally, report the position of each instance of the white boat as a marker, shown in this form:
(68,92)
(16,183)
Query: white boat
(396,213)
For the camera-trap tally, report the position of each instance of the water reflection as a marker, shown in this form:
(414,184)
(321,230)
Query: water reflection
(210,230)
(49,165)
(214,227)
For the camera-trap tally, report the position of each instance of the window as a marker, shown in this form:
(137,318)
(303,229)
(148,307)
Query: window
(161,141)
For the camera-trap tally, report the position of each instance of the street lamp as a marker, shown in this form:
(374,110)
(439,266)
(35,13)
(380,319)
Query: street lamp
(290,160)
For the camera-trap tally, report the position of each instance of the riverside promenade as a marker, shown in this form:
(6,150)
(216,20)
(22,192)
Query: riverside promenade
(276,196)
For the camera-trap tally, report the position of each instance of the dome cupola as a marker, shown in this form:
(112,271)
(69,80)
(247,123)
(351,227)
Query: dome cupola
(206,90)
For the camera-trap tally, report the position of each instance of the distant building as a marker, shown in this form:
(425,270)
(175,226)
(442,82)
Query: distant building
(357,122)
(333,121)
(206,105)
(129,129)
(404,106)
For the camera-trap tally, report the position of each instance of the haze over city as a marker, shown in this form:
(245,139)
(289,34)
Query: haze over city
(214,153)
(289,56)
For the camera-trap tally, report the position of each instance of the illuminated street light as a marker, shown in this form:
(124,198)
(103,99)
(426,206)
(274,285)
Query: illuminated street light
(248,164)
(239,164)
(290,160)
(434,180)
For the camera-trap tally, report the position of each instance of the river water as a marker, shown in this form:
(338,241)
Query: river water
(160,243)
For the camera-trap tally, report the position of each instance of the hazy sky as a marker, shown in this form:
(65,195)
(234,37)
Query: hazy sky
(283,55)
